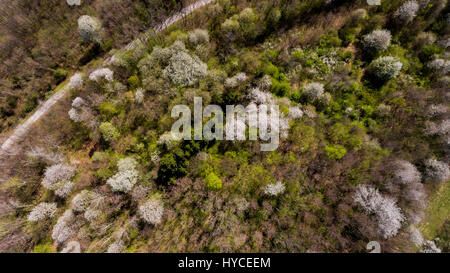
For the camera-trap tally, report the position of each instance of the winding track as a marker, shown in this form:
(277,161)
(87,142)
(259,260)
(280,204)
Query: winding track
(11,144)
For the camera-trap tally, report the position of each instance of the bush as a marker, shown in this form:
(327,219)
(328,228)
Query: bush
(213,182)
(406,172)
(99,74)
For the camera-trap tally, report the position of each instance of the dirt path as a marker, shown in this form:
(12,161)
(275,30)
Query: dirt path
(10,146)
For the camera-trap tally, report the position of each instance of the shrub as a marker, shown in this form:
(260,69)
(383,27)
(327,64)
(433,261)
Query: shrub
(436,171)
(407,11)
(389,216)
(80,112)
(213,182)
(280,88)
(378,40)
(90,29)
(274,189)
(385,68)
(295,112)
(42,211)
(152,211)
(335,151)
(108,131)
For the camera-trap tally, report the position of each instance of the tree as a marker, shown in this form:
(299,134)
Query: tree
(213,182)
(436,171)
(378,40)
(406,172)
(126,178)
(389,216)
(108,131)
(274,189)
(63,229)
(407,11)
(152,211)
(101,73)
(90,29)
(385,68)
(57,178)
(184,69)
(72,247)
(42,211)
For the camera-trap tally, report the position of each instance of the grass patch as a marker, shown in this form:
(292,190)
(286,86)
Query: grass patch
(437,212)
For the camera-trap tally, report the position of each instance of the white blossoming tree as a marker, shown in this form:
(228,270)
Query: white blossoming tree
(72,247)
(90,29)
(274,189)
(377,40)
(388,215)
(126,177)
(436,171)
(385,68)
(184,69)
(152,211)
(63,229)
(76,81)
(407,11)
(116,247)
(98,74)
(198,36)
(57,178)
(73,2)
(42,211)
(406,172)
